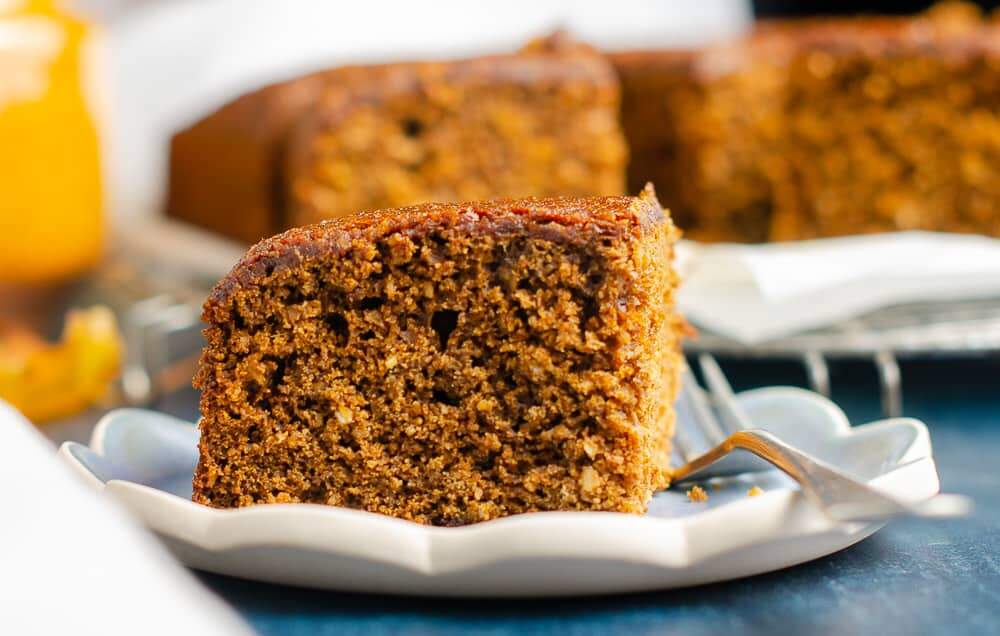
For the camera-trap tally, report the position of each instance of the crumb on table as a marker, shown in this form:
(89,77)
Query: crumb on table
(753,492)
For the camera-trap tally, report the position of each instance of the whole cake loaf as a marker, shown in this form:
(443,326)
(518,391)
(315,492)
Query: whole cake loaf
(825,127)
(447,363)
(542,122)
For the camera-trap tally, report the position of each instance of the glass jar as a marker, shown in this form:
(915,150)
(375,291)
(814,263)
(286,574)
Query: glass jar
(51,226)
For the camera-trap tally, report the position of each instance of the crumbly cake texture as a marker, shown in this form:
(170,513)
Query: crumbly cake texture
(447,363)
(541,123)
(827,127)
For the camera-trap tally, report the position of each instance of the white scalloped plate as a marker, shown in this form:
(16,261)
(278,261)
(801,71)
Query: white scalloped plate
(145,460)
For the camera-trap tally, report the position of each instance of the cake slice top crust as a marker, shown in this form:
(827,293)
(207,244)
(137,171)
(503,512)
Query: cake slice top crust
(563,219)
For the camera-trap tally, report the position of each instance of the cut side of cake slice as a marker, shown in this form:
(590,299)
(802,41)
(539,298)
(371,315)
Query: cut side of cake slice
(447,363)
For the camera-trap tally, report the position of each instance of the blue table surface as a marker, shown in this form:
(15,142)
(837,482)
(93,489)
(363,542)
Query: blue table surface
(912,577)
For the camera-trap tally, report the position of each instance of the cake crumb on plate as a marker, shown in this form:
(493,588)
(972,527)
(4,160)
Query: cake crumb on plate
(697,494)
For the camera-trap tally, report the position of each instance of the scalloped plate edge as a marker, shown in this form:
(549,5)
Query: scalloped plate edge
(684,551)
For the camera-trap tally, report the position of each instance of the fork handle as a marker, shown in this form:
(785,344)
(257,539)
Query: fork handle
(937,507)
(842,498)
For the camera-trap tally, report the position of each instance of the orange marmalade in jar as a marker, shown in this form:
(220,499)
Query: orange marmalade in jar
(51,226)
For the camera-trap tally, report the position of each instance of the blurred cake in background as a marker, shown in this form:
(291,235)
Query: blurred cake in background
(225,171)
(657,86)
(540,122)
(826,127)
(800,129)
(543,122)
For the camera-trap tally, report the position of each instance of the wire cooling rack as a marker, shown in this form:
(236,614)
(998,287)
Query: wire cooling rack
(155,280)
(915,330)
(160,323)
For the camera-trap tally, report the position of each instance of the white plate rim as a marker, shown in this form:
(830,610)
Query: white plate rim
(670,545)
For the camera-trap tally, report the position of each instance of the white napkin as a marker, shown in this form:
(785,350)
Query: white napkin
(73,563)
(754,293)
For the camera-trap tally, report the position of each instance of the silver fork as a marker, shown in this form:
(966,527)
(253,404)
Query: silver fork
(839,496)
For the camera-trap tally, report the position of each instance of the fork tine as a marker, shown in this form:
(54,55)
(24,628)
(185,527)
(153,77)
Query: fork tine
(734,418)
(701,413)
(676,457)
(682,446)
